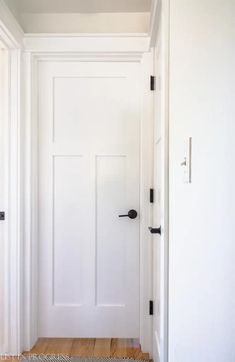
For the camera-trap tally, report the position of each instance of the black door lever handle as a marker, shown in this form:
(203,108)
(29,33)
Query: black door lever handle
(132,214)
(155,230)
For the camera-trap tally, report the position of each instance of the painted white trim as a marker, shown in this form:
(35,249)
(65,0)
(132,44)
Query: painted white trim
(30,204)
(14,206)
(31,64)
(146,181)
(158,348)
(87,44)
(87,35)
(166,92)
(160,16)
(5,138)
(155,17)
(89,57)
(13,223)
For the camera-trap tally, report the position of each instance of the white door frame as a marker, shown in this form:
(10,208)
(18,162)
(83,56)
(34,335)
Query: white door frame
(12,127)
(159,33)
(83,48)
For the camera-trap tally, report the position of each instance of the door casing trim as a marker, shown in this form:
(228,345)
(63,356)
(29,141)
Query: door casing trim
(31,61)
(160,32)
(13,235)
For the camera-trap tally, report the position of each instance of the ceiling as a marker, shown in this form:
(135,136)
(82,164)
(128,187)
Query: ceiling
(78,6)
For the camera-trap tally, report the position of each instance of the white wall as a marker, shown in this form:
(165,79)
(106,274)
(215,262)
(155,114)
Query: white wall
(86,23)
(75,16)
(202,214)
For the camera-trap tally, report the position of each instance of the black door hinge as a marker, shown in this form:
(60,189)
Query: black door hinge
(152,82)
(151,307)
(2,215)
(155,230)
(151,196)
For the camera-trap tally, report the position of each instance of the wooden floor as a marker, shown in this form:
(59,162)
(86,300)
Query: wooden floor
(87,348)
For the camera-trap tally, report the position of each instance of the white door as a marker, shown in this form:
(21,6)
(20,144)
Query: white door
(159,211)
(89,121)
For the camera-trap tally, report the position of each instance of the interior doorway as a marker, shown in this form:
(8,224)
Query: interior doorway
(55,118)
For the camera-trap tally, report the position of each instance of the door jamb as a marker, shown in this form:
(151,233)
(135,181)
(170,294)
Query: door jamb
(160,16)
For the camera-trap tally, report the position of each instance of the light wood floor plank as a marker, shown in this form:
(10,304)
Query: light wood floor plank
(119,348)
(59,346)
(102,347)
(130,348)
(83,347)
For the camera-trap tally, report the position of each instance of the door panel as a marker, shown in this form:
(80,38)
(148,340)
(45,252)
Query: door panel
(89,119)
(69,193)
(110,264)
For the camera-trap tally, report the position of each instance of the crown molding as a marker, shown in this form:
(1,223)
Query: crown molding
(10,27)
(86,35)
